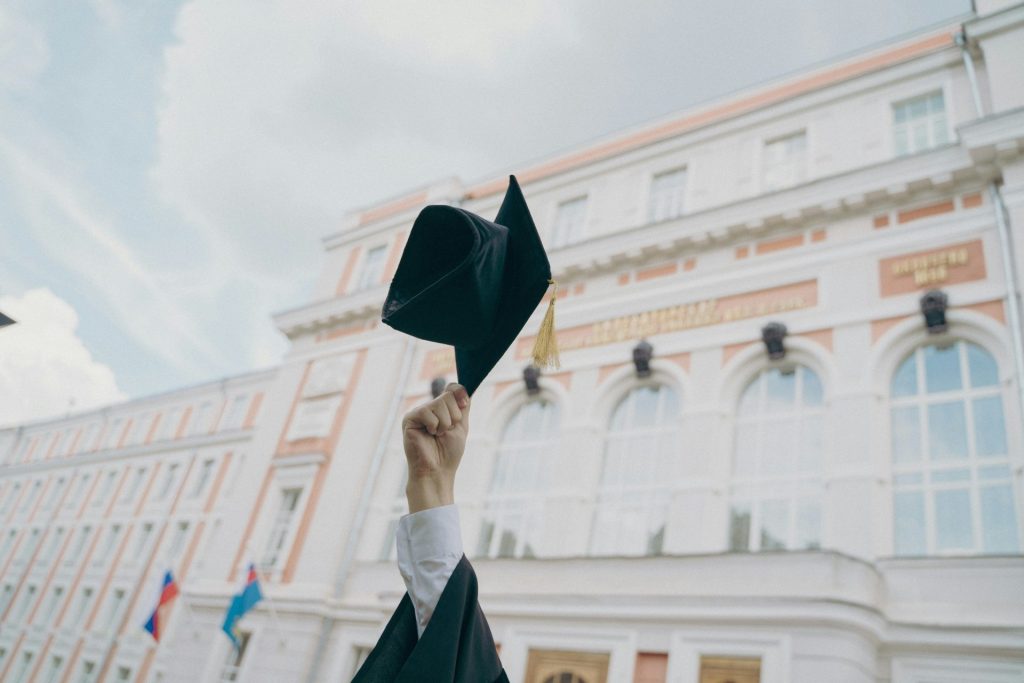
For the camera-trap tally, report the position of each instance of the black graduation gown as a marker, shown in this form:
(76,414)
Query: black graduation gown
(456,646)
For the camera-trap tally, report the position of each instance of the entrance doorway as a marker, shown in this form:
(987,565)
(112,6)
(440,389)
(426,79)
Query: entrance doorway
(562,666)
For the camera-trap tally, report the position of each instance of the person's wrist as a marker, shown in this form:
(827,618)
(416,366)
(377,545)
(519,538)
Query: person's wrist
(427,491)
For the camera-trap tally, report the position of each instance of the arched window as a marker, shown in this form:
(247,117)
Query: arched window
(777,460)
(952,487)
(636,483)
(514,515)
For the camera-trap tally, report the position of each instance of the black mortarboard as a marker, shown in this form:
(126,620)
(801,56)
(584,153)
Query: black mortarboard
(472,283)
(5,321)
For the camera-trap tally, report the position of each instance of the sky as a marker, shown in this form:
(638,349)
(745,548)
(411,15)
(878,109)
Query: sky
(168,168)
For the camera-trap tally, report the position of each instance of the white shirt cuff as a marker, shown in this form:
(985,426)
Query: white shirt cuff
(429,547)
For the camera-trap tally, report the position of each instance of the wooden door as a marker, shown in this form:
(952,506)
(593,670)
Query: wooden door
(561,666)
(730,670)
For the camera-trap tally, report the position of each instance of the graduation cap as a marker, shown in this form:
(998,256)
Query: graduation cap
(473,283)
(5,321)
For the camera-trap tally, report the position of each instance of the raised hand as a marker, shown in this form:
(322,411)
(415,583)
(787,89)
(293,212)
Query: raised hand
(434,437)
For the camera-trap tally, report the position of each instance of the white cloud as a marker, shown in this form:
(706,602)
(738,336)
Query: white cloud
(136,294)
(45,369)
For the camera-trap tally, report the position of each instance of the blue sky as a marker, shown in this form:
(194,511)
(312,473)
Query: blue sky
(167,169)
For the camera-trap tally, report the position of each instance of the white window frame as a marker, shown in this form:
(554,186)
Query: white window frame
(169,423)
(106,488)
(29,498)
(53,545)
(55,666)
(136,478)
(56,489)
(84,534)
(569,225)
(974,463)
(168,482)
(178,540)
(53,600)
(797,489)
(114,609)
(232,670)
(948,129)
(788,172)
(523,456)
(651,499)
(281,532)
(111,438)
(143,537)
(234,415)
(202,478)
(89,434)
(665,204)
(87,672)
(202,419)
(25,603)
(83,603)
(23,665)
(371,273)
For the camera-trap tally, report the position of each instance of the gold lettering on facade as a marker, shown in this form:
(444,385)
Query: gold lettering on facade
(685,317)
(930,268)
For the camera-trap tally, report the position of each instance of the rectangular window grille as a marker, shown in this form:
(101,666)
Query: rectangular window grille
(919,123)
(667,190)
(281,527)
(570,221)
(373,268)
(784,162)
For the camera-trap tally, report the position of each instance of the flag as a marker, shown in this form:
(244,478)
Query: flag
(168,592)
(242,602)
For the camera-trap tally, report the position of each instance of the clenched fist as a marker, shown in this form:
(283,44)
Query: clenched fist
(434,437)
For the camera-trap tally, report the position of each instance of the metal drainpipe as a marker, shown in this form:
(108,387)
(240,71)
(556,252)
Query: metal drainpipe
(1003,229)
(364,506)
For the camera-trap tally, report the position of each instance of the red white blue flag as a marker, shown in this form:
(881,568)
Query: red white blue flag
(159,616)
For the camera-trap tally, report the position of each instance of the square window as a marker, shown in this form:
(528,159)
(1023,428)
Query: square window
(569,222)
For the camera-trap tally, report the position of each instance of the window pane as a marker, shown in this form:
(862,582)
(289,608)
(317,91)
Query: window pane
(906,434)
(774,522)
(781,390)
(994,472)
(942,368)
(984,372)
(739,527)
(947,431)
(904,382)
(989,429)
(645,406)
(999,519)
(812,388)
(908,512)
(945,476)
(953,520)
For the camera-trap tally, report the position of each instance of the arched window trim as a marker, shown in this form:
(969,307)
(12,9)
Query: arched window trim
(924,476)
(655,495)
(801,491)
(526,509)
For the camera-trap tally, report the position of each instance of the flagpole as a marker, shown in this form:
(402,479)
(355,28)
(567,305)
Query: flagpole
(270,601)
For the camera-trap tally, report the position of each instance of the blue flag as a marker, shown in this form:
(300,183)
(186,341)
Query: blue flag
(241,603)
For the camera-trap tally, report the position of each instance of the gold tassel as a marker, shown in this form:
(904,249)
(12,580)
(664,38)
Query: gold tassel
(545,348)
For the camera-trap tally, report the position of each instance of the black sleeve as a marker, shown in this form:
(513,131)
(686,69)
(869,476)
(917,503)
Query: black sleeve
(456,646)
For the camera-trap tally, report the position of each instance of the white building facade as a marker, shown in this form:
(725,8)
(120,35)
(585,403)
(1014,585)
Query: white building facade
(849,510)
